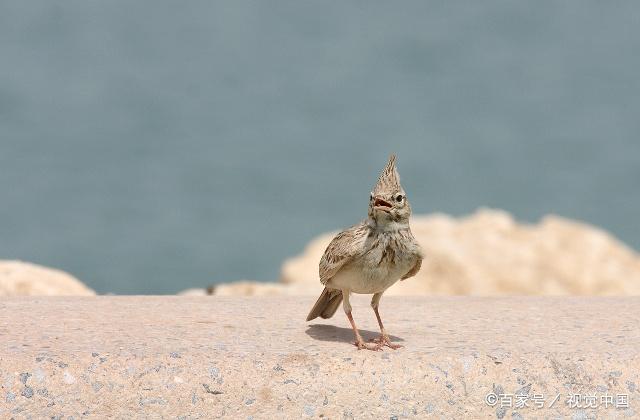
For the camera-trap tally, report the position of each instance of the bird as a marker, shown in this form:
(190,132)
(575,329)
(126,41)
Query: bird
(371,256)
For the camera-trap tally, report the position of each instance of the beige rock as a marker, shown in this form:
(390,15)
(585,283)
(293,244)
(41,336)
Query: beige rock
(254,288)
(489,253)
(194,292)
(130,357)
(19,278)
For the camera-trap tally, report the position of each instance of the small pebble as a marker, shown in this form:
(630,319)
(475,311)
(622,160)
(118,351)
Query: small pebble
(211,391)
(631,386)
(10,396)
(27,392)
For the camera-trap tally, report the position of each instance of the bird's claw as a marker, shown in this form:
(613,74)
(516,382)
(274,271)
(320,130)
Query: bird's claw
(362,345)
(384,340)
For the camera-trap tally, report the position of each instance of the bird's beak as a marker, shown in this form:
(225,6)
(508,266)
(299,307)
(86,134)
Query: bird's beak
(380,204)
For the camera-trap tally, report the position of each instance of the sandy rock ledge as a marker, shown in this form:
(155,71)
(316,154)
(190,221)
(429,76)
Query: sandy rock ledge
(233,357)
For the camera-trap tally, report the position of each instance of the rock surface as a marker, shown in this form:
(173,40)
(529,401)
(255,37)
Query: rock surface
(19,278)
(252,288)
(208,357)
(489,253)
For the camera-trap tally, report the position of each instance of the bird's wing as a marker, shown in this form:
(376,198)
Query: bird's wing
(414,270)
(419,253)
(343,248)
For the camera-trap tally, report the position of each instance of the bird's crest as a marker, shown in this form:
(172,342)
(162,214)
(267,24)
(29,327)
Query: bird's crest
(389,179)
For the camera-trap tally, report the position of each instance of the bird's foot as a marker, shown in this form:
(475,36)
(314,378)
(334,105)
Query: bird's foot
(363,345)
(384,340)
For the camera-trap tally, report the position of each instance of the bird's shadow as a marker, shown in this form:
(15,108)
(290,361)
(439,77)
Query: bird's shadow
(324,332)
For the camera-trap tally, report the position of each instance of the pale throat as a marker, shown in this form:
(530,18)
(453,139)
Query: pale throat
(384,224)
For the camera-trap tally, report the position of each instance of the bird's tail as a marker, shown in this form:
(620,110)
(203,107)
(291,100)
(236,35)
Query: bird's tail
(326,305)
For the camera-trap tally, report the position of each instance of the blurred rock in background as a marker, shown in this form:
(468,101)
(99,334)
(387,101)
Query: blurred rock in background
(19,278)
(488,253)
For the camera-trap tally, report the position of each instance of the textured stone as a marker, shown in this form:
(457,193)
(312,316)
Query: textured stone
(242,357)
(19,278)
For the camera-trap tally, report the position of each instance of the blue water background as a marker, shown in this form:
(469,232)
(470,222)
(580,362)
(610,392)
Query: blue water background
(151,146)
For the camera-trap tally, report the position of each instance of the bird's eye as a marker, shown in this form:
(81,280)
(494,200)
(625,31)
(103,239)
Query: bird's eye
(399,198)
(371,197)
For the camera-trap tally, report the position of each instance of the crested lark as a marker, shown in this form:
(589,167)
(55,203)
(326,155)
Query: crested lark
(370,256)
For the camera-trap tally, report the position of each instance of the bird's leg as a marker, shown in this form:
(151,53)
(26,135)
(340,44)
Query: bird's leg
(384,339)
(360,343)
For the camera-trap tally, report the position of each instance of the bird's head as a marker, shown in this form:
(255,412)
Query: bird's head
(388,201)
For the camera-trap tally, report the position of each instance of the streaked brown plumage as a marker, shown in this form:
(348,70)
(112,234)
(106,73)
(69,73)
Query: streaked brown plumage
(370,256)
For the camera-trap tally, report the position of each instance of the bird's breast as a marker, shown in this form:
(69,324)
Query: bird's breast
(376,270)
